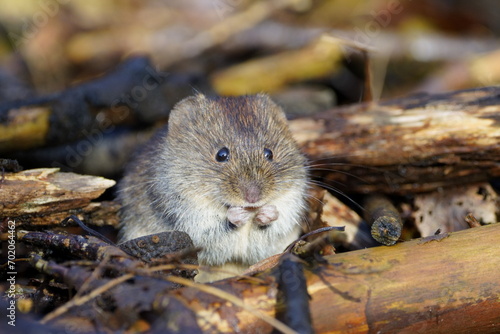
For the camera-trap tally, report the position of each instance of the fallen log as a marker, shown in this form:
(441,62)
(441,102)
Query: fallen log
(45,196)
(408,145)
(443,284)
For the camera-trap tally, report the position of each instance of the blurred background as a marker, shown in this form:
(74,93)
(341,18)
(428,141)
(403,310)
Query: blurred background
(310,55)
(84,82)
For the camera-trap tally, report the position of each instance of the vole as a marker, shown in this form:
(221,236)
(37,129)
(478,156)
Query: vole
(226,171)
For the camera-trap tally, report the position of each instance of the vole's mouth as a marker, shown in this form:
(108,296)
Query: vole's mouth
(246,207)
(251,207)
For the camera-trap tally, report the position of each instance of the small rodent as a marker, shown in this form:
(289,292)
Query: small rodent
(226,171)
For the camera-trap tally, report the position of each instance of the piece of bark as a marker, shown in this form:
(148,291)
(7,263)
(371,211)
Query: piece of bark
(46,190)
(447,211)
(413,144)
(155,246)
(441,286)
(472,221)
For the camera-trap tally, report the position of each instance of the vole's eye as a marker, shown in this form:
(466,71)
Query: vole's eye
(222,155)
(268,154)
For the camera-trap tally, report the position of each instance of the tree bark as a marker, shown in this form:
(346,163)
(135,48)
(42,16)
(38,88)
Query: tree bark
(409,145)
(441,284)
(45,196)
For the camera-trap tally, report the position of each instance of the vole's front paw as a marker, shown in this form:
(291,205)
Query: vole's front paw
(238,215)
(266,215)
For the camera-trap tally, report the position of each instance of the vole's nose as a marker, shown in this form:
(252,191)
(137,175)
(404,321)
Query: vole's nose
(251,193)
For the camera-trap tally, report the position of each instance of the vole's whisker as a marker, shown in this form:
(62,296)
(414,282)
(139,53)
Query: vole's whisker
(325,167)
(336,156)
(340,172)
(315,199)
(337,191)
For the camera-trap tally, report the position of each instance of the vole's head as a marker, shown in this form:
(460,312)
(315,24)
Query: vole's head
(233,151)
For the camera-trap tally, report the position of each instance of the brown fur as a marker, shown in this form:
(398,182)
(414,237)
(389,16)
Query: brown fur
(175,182)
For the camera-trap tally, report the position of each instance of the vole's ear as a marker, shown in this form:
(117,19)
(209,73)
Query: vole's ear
(267,103)
(186,108)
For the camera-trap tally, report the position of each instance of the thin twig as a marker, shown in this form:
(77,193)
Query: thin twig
(472,221)
(95,273)
(82,300)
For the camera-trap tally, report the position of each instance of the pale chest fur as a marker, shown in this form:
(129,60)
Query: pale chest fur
(245,244)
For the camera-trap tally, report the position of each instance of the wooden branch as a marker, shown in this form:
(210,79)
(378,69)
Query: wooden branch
(447,284)
(384,219)
(413,144)
(45,191)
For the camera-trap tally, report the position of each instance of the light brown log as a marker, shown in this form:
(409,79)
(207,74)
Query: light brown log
(46,190)
(446,284)
(408,145)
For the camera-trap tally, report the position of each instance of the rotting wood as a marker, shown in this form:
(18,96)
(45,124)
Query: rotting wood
(39,192)
(447,210)
(408,145)
(404,288)
(293,299)
(433,285)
